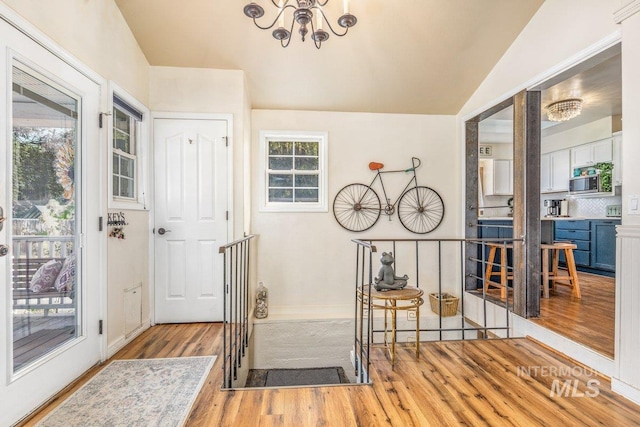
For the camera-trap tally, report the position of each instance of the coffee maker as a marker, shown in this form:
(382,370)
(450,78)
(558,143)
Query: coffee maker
(557,207)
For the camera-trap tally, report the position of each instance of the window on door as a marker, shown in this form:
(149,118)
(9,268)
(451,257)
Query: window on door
(295,172)
(45,292)
(128,137)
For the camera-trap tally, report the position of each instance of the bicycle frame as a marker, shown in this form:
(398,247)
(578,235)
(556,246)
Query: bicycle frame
(389,209)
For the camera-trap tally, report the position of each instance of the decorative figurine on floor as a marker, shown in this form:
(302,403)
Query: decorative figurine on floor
(262,298)
(386,279)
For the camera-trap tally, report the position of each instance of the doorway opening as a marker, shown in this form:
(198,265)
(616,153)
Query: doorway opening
(584,147)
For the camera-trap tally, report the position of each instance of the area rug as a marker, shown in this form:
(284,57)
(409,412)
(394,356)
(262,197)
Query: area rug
(143,392)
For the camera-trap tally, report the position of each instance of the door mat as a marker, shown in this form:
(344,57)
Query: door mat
(296,377)
(141,392)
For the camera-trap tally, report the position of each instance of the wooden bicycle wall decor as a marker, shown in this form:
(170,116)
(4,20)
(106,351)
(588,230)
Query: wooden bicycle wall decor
(420,209)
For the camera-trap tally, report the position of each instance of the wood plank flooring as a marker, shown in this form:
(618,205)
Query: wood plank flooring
(589,320)
(483,382)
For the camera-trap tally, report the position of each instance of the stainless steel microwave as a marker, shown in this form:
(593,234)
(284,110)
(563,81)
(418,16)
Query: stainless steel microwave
(585,184)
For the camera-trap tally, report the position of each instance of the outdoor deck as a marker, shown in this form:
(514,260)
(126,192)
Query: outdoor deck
(35,335)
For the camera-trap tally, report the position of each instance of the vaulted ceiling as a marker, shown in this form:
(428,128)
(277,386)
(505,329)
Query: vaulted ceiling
(409,56)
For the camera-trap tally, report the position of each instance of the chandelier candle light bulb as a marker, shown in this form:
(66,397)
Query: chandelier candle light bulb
(281,17)
(319,18)
(345,5)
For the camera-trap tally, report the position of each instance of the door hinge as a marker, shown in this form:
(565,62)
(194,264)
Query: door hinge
(100,118)
(99,223)
(100,326)
(226,141)
(226,215)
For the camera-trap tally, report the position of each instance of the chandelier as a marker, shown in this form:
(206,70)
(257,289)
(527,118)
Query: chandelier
(303,12)
(564,110)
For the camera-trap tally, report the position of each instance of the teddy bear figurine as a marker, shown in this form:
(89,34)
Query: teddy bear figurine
(386,278)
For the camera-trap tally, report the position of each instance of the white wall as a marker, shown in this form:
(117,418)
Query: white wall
(557,33)
(306,259)
(627,377)
(94,32)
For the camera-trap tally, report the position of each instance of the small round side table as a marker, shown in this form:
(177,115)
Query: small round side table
(391,301)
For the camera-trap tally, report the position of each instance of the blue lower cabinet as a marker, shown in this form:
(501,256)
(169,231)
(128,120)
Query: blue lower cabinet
(595,241)
(603,238)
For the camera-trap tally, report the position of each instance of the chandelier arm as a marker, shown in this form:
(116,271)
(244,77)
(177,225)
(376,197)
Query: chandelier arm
(313,31)
(275,20)
(320,3)
(286,3)
(282,43)
(324,18)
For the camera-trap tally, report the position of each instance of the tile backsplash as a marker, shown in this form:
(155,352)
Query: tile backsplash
(592,207)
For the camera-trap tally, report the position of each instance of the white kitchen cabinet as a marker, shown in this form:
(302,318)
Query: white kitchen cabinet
(497,177)
(591,153)
(617,158)
(555,171)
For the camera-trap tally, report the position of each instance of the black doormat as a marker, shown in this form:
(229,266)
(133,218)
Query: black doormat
(296,377)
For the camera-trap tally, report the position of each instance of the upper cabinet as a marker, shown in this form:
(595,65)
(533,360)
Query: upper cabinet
(555,171)
(617,159)
(497,177)
(592,153)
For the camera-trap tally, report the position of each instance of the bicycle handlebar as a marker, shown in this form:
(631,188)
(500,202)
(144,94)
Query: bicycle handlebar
(413,161)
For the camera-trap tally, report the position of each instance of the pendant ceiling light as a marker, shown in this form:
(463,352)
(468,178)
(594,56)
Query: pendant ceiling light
(302,13)
(564,110)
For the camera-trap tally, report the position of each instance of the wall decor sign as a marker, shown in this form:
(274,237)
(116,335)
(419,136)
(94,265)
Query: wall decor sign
(485,150)
(116,221)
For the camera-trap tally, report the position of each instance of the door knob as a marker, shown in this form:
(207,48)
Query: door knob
(4,250)
(162,231)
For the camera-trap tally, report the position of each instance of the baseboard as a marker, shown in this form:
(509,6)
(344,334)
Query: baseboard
(123,341)
(625,390)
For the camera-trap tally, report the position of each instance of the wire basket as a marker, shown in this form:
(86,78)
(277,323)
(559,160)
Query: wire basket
(444,304)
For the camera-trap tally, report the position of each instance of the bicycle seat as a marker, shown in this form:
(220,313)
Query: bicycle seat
(374,166)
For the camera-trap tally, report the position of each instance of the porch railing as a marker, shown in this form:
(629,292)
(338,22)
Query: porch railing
(436,266)
(236,269)
(42,246)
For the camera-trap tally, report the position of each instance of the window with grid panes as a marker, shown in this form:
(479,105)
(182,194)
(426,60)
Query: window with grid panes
(295,173)
(125,144)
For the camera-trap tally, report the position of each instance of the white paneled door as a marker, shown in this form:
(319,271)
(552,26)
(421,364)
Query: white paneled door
(190,218)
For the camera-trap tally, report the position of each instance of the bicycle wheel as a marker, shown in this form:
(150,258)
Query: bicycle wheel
(420,210)
(356,207)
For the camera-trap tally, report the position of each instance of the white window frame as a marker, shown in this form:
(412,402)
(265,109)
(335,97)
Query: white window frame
(140,201)
(322,138)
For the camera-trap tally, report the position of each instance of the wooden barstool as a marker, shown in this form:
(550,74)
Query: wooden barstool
(570,279)
(504,269)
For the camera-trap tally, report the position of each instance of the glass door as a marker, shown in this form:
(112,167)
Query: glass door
(45,294)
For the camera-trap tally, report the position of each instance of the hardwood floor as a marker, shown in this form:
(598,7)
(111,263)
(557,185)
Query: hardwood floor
(589,320)
(482,382)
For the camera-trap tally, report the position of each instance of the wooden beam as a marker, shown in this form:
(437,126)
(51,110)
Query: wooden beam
(526,206)
(471,201)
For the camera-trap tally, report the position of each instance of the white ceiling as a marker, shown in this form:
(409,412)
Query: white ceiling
(409,56)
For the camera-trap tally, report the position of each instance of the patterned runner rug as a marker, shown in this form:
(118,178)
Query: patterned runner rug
(143,392)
